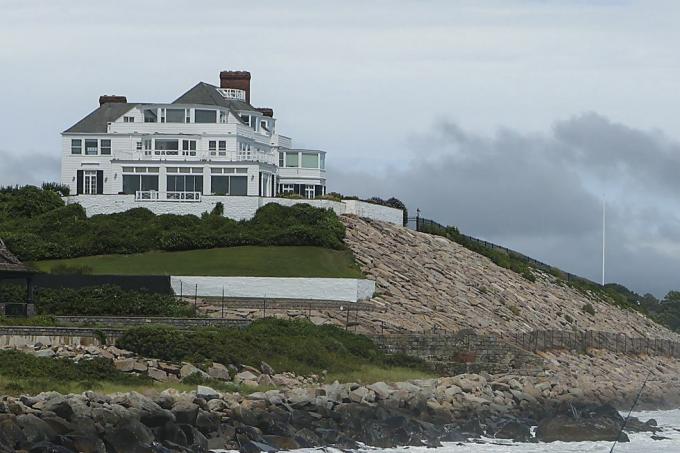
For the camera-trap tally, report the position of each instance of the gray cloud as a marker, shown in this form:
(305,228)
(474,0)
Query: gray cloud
(27,168)
(542,194)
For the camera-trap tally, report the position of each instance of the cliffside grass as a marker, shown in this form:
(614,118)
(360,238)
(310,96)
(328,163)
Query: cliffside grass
(298,346)
(247,261)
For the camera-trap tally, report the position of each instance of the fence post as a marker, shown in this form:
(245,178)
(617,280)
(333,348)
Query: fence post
(222,301)
(196,300)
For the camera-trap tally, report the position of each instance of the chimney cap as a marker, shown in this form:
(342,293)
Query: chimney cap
(235,75)
(111,98)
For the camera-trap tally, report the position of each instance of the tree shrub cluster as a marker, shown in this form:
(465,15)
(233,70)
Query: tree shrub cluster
(298,346)
(105,300)
(35,224)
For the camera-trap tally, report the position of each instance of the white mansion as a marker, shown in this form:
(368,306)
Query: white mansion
(209,142)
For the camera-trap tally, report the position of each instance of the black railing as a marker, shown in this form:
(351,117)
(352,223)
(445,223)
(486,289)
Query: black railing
(424,225)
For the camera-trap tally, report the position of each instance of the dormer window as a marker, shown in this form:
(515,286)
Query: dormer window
(128,119)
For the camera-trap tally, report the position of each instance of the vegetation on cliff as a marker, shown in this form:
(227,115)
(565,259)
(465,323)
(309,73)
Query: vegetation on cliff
(105,300)
(297,346)
(35,224)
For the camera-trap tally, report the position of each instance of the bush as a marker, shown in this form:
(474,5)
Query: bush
(105,300)
(61,189)
(36,225)
(298,346)
(588,308)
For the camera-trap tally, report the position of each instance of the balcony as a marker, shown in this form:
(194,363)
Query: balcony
(154,195)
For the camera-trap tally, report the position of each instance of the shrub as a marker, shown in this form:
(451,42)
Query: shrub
(588,308)
(36,225)
(298,346)
(61,189)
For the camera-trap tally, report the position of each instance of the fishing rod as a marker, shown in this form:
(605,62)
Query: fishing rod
(637,398)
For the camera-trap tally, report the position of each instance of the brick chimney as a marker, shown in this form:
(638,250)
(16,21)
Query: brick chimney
(266,111)
(111,98)
(239,80)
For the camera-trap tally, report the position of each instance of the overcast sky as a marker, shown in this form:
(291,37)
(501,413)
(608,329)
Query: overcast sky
(511,119)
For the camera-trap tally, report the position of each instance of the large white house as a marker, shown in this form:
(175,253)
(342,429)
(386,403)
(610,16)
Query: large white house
(209,142)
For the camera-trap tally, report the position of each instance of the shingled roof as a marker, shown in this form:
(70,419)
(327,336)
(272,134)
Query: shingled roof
(9,262)
(98,120)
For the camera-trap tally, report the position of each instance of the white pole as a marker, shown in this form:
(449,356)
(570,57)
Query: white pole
(604,235)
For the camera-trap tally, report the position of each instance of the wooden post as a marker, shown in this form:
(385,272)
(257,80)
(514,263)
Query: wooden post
(222,301)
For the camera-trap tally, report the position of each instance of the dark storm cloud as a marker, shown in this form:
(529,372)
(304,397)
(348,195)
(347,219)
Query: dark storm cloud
(542,194)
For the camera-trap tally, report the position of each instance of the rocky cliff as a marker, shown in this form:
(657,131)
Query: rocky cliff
(426,281)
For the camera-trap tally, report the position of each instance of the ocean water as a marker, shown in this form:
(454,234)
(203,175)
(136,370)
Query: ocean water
(639,442)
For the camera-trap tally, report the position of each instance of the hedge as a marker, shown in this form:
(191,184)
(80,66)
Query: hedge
(35,224)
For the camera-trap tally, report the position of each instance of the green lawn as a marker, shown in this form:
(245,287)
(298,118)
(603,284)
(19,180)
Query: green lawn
(249,261)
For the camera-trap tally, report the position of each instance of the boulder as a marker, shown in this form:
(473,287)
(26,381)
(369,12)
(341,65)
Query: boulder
(245,376)
(185,412)
(158,375)
(59,406)
(125,365)
(188,369)
(515,430)
(583,424)
(266,369)
(207,393)
(34,429)
(219,371)
(131,436)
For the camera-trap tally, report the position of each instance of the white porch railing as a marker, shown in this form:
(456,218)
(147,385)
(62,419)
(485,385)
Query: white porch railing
(154,195)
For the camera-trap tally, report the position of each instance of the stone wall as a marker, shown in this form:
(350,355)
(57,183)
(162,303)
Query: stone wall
(425,282)
(318,289)
(237,208)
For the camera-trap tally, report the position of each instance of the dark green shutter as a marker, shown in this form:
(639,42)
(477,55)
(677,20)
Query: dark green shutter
(79,182)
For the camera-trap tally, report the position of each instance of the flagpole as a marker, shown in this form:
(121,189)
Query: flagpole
(604,235)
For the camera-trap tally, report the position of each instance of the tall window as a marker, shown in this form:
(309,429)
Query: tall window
(188,147)
(106,146)
(91,147)
(310,160)
(223,145)
(212,145)
(90,182)
(76,146)
(229,185)
(133,183)
(292,160)
(322,158)
(185,183)
(281,157)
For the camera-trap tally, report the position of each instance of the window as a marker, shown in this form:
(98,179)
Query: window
(91,147)
(281,157)
(128,119)
(223,145)
(245,119)
(205,116)
(229,185)
(310,160)
(212,145)
(189,145)
(291,159)
(164,144)
(322,157)
(287,188)
(188,116)
(185,183)
(133,183)
(263,125)
(139,146)
(76,146)
(223,116)
(150,116)
(162,115)
(106,146)
(147,143)
(175,115)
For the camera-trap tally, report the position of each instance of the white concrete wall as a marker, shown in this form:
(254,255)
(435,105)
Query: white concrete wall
(238,208)
(330,289)
(374,211)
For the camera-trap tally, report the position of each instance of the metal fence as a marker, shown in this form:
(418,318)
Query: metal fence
(546,340)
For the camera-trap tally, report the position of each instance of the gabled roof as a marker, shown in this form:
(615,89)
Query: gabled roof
(206,94)
(9,262)
(97,121)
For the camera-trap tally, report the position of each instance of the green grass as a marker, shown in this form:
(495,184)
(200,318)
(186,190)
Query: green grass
(369,374)
(246,261)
